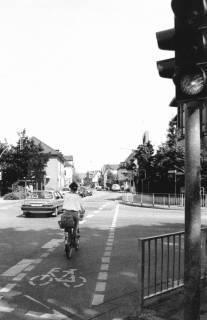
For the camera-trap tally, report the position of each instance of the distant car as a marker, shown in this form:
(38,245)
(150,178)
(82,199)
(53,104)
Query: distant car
(99,188)
(43,202)
(89,192)
(115,187)
(64,190)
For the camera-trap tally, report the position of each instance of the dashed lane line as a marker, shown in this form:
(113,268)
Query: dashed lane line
(98,297)
(7,288)
(20,266)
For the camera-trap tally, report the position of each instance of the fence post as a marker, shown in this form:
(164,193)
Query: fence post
(141,252)
(153,199)
(168,200)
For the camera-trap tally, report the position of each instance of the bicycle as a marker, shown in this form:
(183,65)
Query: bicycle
(72,239)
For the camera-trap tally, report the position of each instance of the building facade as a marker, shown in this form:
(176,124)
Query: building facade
(57,175)
(68,170)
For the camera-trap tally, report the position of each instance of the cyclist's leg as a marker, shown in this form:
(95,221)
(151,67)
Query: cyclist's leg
(76,220)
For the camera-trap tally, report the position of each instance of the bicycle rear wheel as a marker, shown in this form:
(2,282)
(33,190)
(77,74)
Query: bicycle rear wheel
(69,245)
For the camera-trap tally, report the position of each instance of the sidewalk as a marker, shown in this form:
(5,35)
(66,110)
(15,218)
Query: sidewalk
(171,306)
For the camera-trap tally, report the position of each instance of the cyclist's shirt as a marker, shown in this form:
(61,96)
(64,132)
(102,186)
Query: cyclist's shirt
(72,201)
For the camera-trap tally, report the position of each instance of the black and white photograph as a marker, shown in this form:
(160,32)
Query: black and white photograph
(103,160)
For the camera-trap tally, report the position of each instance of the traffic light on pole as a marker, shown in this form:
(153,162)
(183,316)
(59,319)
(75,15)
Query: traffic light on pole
(189,41)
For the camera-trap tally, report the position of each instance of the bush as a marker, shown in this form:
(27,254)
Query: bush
(14,196)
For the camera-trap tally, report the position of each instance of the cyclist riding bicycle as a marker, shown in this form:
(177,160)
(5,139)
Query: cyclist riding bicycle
(72,205)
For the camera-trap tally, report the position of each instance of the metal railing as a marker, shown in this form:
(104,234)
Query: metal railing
(161,266)
(159,199)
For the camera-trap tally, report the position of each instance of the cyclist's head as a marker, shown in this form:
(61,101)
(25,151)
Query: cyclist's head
(73,186)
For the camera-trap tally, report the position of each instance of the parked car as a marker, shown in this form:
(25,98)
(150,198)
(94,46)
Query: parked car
(89,192)
(99,188)
(64,190)
(43,202)
(115,187)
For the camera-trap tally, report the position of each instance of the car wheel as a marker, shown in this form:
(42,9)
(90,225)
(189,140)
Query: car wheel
(26,214)
(56,211)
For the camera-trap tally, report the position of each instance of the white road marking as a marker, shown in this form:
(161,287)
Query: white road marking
(103,274)
(6,309)
(45,255)
(51,244)
(105,259)
(104,267)
(100,286)
(8,287)
(19,277)
(36,261)
(107,254)
(20,266)
(37,301)
(97,299)
(29,268)
(108,248)
(51,316)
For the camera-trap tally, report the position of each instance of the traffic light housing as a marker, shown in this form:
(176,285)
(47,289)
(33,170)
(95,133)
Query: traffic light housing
(188,69)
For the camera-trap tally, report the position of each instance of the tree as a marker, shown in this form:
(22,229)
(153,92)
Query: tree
(26,164)
(111,178)
(144,156)
(76,178)
(169,156)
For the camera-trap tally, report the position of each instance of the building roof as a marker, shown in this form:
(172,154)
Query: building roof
(47,149)
(110,167)
(68,158)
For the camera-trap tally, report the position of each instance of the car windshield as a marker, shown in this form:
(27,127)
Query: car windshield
(40,195)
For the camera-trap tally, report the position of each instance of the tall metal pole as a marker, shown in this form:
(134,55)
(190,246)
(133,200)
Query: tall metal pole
(192,264)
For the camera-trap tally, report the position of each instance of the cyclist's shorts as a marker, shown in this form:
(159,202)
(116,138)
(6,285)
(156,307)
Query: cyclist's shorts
(74,214)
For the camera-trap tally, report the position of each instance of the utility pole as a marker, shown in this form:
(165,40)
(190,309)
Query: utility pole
(192,261)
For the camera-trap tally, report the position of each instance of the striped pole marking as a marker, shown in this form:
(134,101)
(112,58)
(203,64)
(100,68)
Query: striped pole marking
(100,288)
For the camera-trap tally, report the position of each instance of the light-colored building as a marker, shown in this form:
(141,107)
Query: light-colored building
(96,177)
(109,168)
(55,171)
(68,170)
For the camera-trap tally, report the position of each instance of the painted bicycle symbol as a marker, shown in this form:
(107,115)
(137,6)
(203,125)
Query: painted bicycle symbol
(67,277)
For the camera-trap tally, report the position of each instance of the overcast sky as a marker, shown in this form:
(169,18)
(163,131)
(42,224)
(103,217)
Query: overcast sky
(81,75)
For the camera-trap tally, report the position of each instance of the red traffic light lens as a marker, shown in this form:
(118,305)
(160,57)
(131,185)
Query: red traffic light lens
(193,83)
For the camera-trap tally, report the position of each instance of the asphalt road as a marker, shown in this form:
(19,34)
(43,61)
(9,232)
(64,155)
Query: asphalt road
(99,282)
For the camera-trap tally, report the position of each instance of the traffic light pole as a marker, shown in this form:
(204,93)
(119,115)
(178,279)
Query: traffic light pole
(192,263)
